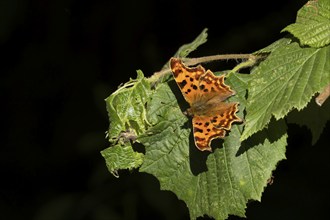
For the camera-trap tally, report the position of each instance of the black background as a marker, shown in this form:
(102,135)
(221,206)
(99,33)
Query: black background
(60,59)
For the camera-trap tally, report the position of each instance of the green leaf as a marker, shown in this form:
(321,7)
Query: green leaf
(127,114)
(216,184)
(121,157)
(287,79)
(313,116)
(279,43)
(312,26)
(186,49)
(126,107)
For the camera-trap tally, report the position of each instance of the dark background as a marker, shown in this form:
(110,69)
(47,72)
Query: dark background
(60,59)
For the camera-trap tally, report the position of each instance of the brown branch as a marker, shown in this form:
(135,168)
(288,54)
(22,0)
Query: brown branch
(320,99)
(195,61)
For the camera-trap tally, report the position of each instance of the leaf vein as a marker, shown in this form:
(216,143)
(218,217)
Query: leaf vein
(229,176)
(250,172)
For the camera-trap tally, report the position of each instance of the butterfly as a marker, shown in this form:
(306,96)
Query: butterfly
(205,93)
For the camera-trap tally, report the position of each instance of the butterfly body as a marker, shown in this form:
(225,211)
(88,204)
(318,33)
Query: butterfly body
(200,106)
(206,94)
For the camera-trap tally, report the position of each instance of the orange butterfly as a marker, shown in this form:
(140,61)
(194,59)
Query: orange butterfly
(206,94)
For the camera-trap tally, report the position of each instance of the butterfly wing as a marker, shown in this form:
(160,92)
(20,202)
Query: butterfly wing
(224,115)
(213,87)
(199,87)
(187,79)
(209,127)
(205,131)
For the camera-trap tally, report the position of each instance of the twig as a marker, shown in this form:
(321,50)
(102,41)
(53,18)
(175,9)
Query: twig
(252,59)
(320,99)
(206,59)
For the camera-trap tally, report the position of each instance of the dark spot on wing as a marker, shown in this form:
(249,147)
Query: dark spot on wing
(182,84)
(222,122)
(188,91)
(214,120)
